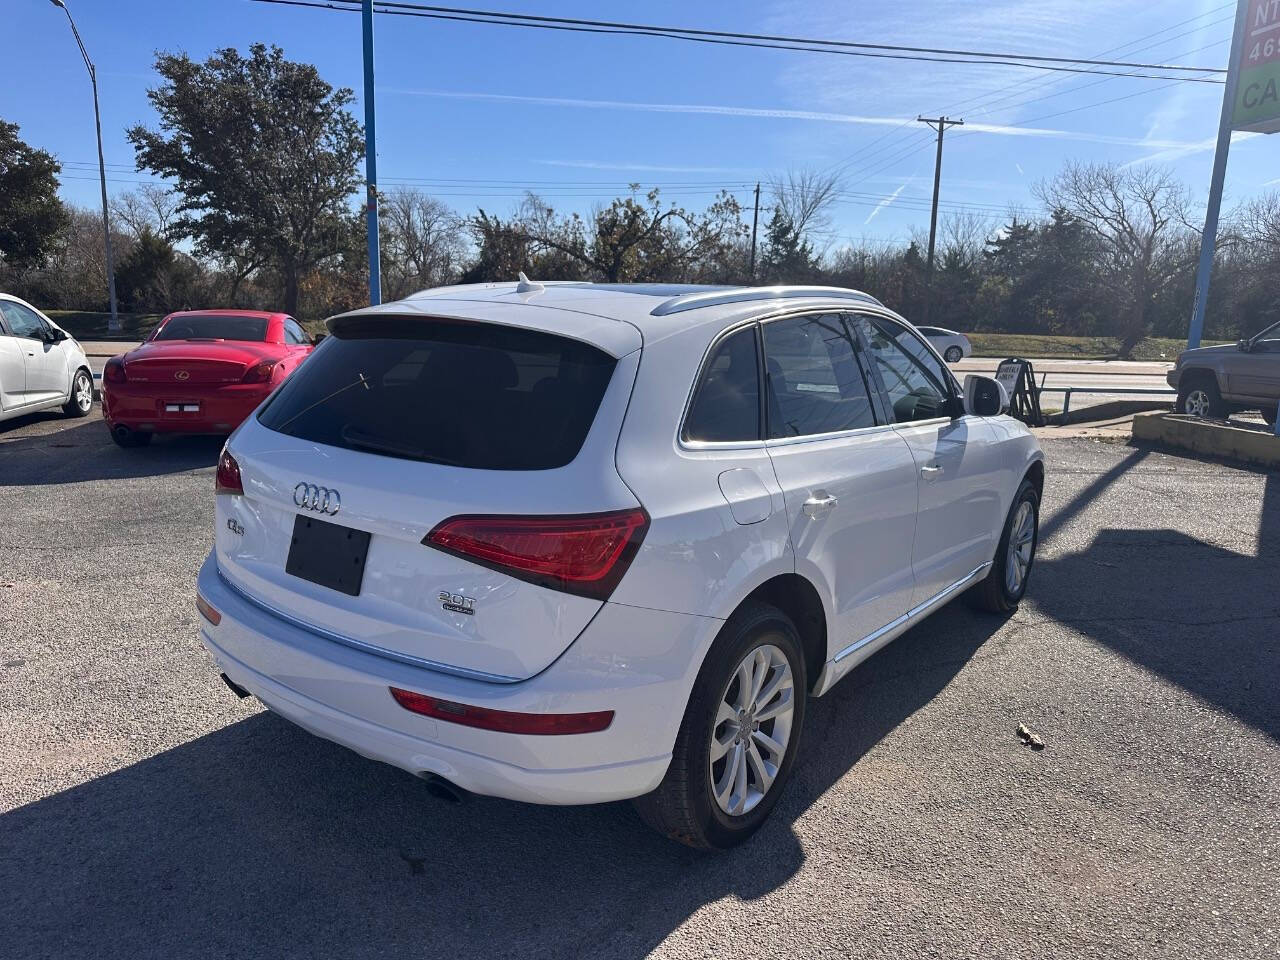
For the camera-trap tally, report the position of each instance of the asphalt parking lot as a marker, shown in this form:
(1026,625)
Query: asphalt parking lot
(145,812)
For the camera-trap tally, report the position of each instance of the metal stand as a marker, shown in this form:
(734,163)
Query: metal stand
(1019,380)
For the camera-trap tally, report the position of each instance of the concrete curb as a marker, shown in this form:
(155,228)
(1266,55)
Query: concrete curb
(1210,437)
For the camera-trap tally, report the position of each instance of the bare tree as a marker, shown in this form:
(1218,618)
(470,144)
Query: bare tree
(805,199)
(1258,223)
(151,207)
(423,242)
(1138,215)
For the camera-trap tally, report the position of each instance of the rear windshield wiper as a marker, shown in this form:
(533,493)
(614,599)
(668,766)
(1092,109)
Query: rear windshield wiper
(360,380)
(367,441)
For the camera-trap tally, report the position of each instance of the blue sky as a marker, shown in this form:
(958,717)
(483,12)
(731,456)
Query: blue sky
(576,117)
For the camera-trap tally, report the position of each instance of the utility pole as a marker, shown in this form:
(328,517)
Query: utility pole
(114,324)
(755,221)
(371,159)
(940,124)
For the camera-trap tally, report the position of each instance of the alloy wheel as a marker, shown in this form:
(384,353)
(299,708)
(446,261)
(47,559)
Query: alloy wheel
(1197,403)
(752,729)
(84,392)
(1022,537)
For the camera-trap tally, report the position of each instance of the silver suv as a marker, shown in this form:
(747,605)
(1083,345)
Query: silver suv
(1218,381)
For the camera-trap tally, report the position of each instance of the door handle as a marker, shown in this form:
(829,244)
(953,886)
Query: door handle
(819,502)
(931,471)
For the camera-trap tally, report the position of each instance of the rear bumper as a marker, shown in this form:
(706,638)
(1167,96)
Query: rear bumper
(222,408)
(639,663)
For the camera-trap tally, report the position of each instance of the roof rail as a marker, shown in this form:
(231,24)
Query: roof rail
(694,301)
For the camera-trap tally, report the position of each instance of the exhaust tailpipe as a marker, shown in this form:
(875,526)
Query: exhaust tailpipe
(121,431)
(235,688)
(442,789)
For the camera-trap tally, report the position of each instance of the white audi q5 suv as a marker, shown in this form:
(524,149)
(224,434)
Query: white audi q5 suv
(571,543)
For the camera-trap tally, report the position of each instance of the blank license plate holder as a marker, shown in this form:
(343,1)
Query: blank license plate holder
(328,554)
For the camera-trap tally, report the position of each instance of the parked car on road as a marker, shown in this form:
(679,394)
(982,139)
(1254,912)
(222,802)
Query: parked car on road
(1218,381)
(41,365)
(953,346)
(200,371)
(579,543)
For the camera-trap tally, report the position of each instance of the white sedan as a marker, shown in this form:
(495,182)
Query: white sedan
(952,345)
(41,365)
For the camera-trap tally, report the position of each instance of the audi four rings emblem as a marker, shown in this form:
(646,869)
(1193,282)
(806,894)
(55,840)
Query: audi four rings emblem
(318,499)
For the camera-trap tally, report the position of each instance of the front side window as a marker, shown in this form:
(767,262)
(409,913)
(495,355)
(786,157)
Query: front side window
(293,333)
(22,322)
(813,381)
(212,326)
(912,376)
(726,403)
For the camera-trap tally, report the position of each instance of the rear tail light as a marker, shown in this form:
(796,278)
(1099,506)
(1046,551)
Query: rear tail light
(503,721)
(207,611)
(585,554)
(260,372)
(227,479)
(113,372)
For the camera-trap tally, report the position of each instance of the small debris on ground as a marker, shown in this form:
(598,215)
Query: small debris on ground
(1031,739)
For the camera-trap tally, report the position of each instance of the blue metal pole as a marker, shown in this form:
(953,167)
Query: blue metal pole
(1209,237)
(371,158)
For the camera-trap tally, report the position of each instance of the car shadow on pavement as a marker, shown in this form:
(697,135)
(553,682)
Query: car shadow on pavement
(1194,613)
(85,451)
(262,840)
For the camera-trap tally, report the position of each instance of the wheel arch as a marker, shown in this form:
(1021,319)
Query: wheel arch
(799,599)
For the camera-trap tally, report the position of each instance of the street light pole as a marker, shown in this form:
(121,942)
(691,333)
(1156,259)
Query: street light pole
(371,158)
(114,325)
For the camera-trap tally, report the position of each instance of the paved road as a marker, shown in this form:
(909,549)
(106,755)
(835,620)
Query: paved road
(145,812)
(1101,375)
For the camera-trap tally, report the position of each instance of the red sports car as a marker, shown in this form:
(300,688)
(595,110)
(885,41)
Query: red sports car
(200,371)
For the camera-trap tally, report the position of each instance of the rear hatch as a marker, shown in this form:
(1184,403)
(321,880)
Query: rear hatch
(191,362)
(395,426)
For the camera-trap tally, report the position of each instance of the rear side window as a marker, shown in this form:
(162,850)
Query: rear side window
(214,327)
(466,394)
(726,404)
(813,380)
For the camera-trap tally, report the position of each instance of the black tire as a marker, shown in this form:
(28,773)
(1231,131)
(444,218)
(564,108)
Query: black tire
(1198,396)
(80,382)
(1269,415)
(132,438)
(953,355)
(684,807)
(994,593)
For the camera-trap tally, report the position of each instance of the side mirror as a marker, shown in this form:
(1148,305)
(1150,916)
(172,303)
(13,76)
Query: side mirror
(1243,346)
(984,397)
(315,341)
(54,335)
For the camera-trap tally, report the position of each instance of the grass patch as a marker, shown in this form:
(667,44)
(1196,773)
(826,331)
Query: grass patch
(85,325)
(1078,348)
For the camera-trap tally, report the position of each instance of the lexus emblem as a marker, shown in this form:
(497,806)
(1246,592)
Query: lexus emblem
(317,499)
(181,375)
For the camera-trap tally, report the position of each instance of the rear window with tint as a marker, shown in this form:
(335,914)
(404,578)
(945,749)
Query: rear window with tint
(466,394)
(214,327)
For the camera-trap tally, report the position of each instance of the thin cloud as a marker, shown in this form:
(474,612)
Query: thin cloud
(775,113)
(887,200)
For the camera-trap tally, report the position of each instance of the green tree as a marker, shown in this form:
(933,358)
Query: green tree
(31,215)
(788,257)
(264,154)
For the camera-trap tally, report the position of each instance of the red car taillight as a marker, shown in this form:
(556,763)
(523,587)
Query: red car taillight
(260,372)
(113,372)
(586,554)
(227,479)
(503,721)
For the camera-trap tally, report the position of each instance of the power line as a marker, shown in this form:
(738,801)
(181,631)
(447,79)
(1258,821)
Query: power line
(772,38)
(712,37)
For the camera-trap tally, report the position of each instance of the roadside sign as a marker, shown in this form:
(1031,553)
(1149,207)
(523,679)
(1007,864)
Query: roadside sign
(1257,97)
(1019,381)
